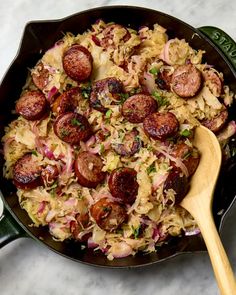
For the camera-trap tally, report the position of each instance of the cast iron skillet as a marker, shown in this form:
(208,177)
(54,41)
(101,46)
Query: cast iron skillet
(40,36)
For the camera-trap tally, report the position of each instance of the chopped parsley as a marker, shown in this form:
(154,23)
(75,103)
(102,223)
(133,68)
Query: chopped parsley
(136,231)
(162,101)
(123,97)
(54,185)
(135,91)
(86,90)
(33,152)
(233,151)
(75,122)
(106,209)
(185,133)
(108,114)
(151,168)
(102,148)
(64,132)
(154,71)
(187,155)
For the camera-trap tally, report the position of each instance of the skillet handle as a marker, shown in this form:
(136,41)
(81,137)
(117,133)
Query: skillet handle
(222,41)
(9,229)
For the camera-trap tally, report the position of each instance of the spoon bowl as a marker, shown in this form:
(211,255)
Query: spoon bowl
(198,202)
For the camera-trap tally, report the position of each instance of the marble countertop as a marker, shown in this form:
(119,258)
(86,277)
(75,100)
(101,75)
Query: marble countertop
(27,268)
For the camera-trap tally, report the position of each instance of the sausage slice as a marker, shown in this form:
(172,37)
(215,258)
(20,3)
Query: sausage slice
(217,123)
(77,226)
(179,183)
(107,90)
(213,81)
(189,156)
(123,185)
(72,128)
(88,169)
(32,105)
(137,107)
(160,126)
(67,101)
(40,76)
(78,63)
(108,215)
(49,174)
(27,173)
(130,145)
(163,80)
(186,81)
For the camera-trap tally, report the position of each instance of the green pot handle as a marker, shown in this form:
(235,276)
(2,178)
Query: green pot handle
(223,41)
(9,229)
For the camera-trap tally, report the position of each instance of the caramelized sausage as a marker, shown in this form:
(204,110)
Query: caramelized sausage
(186,81)
(108,89)
(107,214)
(163,80)
(178,182)
(137,107)
(27,173)
(217,123)
(32,105)
(88,169)
(123,185)
(161,125)
(72,128)
(108,35)
(189,156)
(40,76)
(130,144)
(67,101)
(77,226)
(78,63)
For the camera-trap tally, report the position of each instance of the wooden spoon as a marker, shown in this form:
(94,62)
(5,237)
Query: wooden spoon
(198,202)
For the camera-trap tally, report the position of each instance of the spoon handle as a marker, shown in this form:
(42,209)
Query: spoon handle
(220,263)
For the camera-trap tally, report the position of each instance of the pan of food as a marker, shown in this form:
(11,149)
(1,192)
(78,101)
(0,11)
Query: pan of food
(98,112)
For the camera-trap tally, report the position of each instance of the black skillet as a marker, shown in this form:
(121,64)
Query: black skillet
(40,36)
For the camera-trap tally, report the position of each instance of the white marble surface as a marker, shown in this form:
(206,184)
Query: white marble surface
(28,268)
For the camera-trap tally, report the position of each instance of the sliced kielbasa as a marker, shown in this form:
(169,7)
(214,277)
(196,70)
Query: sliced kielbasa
(160,126)
(32,105)
(137,107)
(77,226)
(188,155)
(78,63)
(27,173)
(217,123)
(49,174)
(130,145)
(108,215)
(108,36)
(72,128)
(123,185)
(186,80)
(107,91)
(163,80)
(40,76)
(178,182)
(88,169)
(213,81)
(67,101)
(101,135)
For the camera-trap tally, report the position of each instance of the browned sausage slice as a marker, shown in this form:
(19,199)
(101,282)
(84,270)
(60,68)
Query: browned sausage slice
(40,76)
(160,126)
(49,174)
(32,105)
(72,128)
(186,80)
(137,107)
(67,101)
(163,80)
(108,36)
(108,215)
(27,173)
(178,182)
(77,226)
(105,90)
(213,81)
(217,123)
(130,145)
(189,156)
(123,185)
(78,63)
(88,169)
